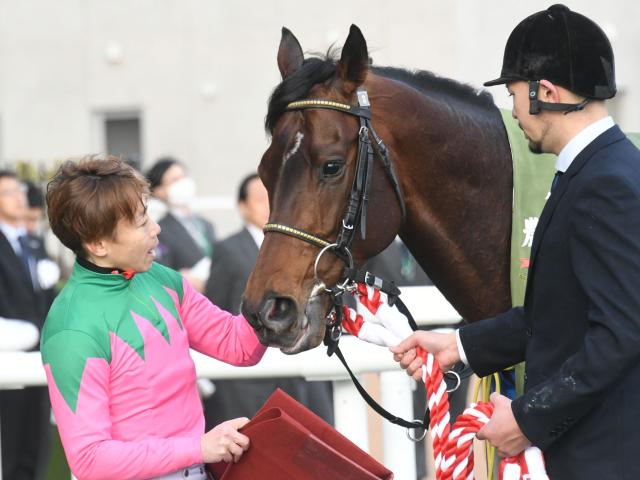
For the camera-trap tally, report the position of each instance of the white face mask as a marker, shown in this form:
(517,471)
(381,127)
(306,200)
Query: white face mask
(182,193)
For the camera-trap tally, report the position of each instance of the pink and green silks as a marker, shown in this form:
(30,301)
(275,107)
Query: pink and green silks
(121,380)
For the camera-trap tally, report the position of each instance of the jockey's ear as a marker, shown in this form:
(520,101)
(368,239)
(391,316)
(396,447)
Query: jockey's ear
(354,62)
(290,56)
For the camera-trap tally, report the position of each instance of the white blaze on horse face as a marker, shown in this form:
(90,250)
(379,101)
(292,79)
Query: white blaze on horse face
(296,146)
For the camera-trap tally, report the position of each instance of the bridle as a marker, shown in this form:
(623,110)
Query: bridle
(356,210)
(355,216)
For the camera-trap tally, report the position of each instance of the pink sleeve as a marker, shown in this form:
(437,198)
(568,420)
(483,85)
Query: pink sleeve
(217,333)
(86,435)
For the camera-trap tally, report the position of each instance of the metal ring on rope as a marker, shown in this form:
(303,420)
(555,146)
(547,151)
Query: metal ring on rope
(333,246)
(416,439)
(456,375)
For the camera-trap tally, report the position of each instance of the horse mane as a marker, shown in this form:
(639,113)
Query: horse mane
(429,83)
(320,68)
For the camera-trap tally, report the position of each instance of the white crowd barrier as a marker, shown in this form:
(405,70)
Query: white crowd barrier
(20,369)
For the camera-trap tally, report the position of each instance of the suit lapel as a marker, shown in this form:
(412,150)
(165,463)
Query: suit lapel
(547,213)
(249,245)
(183,234)
(610,136)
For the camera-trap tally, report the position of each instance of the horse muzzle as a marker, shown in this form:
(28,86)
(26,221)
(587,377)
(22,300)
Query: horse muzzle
(280,322)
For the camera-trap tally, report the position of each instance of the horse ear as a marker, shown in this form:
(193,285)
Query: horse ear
(354,62)
(290,56)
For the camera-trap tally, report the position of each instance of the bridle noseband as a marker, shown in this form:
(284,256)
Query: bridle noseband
(356,210)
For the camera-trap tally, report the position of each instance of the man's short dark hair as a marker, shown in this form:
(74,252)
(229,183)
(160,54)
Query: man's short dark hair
(244,186)
(35,197)
(157,171)
(7,174)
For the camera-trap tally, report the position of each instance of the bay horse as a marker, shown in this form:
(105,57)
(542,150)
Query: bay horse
(449,151)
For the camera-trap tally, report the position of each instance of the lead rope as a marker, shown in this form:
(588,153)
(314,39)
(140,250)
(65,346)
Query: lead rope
(379,323)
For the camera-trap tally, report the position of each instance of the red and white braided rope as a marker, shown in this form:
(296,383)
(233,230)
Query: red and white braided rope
(378,323)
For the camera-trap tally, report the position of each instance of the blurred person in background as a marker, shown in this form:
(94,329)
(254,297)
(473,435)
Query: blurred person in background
(186,240)
(47,271)
(25,295)
(19,334)
(34,214)
(231,263)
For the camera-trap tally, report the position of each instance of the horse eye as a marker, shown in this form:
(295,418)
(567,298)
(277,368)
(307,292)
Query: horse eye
(331,169)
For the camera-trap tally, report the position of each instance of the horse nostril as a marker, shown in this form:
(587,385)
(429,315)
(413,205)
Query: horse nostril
(280,309)
(278,312)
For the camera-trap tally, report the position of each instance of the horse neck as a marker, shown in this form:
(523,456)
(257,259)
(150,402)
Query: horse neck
(456,174)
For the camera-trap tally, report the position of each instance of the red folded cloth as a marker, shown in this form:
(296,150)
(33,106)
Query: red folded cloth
(288,441)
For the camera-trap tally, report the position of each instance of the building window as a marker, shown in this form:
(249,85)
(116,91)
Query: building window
(121,135)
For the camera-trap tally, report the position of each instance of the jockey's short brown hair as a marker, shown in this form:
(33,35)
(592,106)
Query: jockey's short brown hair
(88,197)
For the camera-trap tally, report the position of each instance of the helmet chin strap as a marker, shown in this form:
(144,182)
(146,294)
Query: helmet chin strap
(535,105)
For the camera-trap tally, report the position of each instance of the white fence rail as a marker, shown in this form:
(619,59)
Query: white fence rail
(19,369)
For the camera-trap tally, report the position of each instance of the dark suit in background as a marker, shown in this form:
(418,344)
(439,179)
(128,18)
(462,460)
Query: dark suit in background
(24,413)
(177,248)
(579,329)
(231,263)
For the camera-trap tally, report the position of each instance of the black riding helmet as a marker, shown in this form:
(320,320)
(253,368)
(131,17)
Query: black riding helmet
(564,47)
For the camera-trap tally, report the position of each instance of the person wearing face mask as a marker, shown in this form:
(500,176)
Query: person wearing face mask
(186,241)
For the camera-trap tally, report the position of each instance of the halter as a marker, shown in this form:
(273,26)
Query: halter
(356,211)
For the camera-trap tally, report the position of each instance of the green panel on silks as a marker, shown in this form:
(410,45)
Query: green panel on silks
(532,176)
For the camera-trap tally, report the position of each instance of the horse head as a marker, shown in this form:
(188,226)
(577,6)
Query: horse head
(309,171)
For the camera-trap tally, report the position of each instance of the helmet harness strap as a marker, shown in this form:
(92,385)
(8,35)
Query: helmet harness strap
(535,105)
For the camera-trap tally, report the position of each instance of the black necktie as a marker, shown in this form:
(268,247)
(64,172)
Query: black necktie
(556,179)
(26,258)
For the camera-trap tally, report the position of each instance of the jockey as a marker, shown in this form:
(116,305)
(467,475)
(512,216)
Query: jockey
(579,328)
(115,345)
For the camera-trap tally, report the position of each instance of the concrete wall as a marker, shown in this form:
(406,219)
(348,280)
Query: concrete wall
(199,72)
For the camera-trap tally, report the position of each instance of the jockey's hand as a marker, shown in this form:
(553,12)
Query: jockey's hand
(503,431)
(224,442)
(442,345)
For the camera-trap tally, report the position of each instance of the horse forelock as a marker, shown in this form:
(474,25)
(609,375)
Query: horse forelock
(296,86)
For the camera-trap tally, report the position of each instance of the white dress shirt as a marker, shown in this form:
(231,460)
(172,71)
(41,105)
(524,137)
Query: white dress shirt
(578,143)
(13,234)
(256,233)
